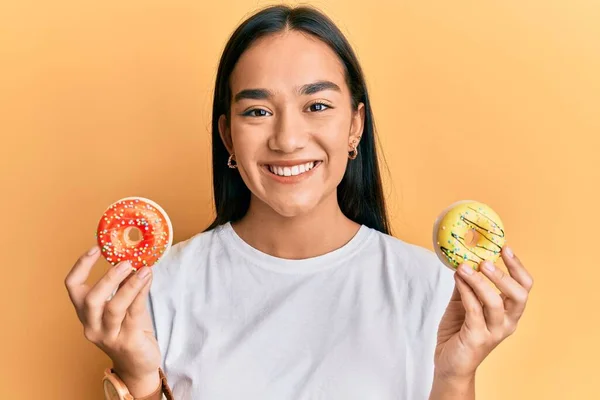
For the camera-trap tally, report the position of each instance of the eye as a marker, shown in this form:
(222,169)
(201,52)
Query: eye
(318,106)
(256,112)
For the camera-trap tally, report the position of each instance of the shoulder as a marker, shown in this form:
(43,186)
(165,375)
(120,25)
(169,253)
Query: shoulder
(419,264)
(184,256)
(425,282)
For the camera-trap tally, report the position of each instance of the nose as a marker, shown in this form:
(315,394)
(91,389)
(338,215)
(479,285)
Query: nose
(290,133)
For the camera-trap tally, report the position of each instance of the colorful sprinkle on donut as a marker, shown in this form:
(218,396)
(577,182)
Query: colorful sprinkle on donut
(134,229)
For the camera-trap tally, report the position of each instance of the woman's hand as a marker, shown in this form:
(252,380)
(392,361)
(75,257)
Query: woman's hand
(121,326)
(477,318)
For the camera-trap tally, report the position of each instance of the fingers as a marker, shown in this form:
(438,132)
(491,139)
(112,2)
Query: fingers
(456,293)
(95,301)
(126,301)
(474,318)
(515,295)
(516,268)
(78,275)
(492,304)
(138,311)
(138,306)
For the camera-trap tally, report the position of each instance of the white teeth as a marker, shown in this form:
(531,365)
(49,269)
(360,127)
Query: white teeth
(292,171)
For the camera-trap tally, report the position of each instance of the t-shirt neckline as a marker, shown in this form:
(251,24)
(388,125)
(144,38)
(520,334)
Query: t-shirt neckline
(307,265)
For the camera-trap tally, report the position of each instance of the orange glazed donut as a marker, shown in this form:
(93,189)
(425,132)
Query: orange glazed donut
(134,229)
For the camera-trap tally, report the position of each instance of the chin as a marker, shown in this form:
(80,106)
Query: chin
(293,209)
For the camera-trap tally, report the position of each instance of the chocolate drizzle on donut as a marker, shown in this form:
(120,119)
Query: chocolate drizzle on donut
(452,254)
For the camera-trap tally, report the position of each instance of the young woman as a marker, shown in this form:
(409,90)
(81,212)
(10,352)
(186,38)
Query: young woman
(297,290)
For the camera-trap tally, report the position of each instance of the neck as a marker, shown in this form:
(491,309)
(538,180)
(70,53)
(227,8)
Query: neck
(319,232)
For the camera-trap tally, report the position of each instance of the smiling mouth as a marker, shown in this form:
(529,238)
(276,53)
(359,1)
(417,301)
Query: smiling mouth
(292,170)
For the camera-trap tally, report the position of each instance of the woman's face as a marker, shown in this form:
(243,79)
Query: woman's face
(292,122)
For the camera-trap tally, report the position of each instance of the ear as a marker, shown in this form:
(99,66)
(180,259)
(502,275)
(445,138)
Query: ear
(225,133)
(357,125)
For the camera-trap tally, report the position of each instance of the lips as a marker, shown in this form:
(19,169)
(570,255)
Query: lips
(291,172)
(289,169)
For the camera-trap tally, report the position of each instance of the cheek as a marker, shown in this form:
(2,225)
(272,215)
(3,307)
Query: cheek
(248,139)
(334,140)
(250,142)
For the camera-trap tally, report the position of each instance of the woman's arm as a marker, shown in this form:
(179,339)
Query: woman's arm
(446,389)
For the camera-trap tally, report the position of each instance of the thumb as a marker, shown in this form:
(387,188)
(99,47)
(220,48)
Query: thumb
(138,310)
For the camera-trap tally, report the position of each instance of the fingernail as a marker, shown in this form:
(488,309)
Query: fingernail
(124,266)
(489,266)
(466,269)
(143,273)
(93,250)
(508,251)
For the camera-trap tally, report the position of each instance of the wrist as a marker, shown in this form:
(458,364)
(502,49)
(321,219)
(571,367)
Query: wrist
(450,387)
(140,387)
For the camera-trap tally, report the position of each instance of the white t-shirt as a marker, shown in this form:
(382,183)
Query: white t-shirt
(358,323)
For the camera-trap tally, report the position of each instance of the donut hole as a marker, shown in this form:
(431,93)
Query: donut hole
(133,236)
(472,237)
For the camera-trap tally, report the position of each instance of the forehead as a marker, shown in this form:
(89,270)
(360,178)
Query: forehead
(285,61)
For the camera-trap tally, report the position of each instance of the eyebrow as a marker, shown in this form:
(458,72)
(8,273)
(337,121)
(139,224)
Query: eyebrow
(254,94)
(319,86)
(308,89)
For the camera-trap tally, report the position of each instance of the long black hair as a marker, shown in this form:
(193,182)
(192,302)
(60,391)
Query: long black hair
(360,193)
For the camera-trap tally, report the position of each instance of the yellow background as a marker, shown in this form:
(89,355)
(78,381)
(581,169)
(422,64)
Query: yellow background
(496,101)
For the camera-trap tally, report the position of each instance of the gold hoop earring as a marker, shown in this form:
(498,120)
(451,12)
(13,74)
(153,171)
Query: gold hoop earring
(354,153)
(230,162)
